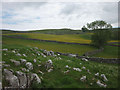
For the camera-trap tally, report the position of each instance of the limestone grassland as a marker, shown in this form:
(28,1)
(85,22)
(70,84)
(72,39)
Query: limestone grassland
(29,63)
(66,72)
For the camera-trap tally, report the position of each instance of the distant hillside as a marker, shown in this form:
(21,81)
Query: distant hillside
(52,31)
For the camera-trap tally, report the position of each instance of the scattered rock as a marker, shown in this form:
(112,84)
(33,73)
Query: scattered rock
(49,70)
(6,65)
(72,55)
(97,74)
(36,78)
(29,65)
(34,60)
(83,78)
(23,61)
(24,69)
(65,72)
(13,51)
(67,66)
(83,67)
(41,72)
(52,53)
(5,49)
(104,77)
(49,64)
(24,55)
(77,69)
(84,59)
(91,84)
(101,84)
(17,63)
(88,71)
(18,54)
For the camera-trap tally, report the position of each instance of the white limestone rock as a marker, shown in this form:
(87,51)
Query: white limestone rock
(29,65)
(77,69)
(83,78)
(104,77)
(101,84)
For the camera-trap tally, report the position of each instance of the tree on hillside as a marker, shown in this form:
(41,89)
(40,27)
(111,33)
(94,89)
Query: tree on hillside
(100,38)
(84,29)
(98,24)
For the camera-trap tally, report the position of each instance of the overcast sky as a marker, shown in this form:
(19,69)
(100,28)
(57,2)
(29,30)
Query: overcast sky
(45,15)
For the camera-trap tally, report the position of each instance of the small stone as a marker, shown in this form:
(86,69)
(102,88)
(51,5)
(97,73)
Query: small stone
(50,70)
(17,63)
(83,67)
(77,69)
(101,84)
(83,78)
(97,74)
(104,77)
(34,60)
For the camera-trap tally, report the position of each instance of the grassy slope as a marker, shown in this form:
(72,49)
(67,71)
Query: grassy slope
(65,48)
(109,52)
(56,78)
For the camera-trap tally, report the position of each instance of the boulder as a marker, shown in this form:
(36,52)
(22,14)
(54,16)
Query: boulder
(11,79)
(22,79)
(52,53)
(17,63)
(23,61)
(48,64)
(29,65)
(36,78)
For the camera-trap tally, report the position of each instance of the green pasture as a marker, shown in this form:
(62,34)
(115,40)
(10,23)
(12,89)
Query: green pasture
(72,38)
(56,47)
(109,52)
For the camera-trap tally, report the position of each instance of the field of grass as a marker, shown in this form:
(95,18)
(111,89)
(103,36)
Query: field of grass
(57,78)
(56,47)
(72,38)
(75,38)
(109,52)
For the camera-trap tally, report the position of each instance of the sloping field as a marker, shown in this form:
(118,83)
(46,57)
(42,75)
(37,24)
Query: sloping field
(56,47)
(72,38)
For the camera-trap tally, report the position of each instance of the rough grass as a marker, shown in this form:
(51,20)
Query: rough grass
(56,47)
(56,78)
